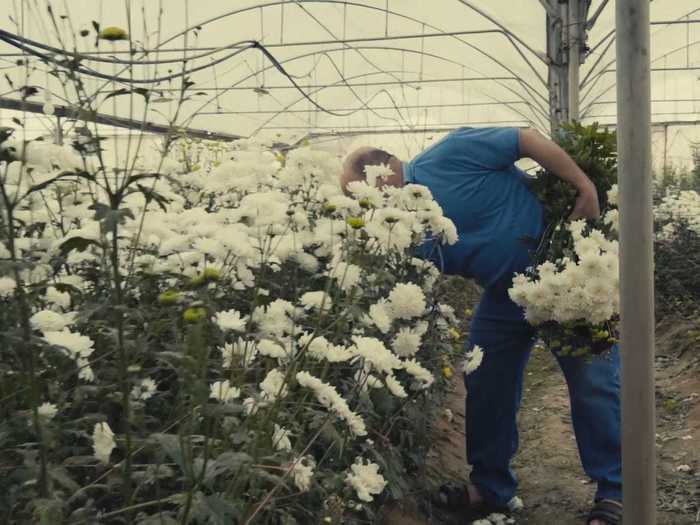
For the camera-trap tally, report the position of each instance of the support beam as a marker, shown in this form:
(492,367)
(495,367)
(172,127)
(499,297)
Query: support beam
(636,261)
(575,43)
(69,112)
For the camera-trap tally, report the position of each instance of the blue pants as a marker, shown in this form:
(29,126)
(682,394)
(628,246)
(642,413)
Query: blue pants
(494,391)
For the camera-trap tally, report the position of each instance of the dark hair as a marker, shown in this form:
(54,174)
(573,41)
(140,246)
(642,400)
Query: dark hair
(373,157)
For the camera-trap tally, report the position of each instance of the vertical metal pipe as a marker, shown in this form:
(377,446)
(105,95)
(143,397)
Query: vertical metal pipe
(636,261)
(575,36)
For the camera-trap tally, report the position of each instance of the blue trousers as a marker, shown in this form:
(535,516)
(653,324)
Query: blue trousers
(494,392)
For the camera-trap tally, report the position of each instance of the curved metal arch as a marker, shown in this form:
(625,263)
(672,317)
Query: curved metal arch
(343,80)
(606,90)
(375,8)
(383,48)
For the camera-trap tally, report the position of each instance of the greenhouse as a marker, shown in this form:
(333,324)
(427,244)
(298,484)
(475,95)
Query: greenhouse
(350,262)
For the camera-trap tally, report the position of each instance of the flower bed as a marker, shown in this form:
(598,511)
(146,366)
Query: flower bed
(235,342)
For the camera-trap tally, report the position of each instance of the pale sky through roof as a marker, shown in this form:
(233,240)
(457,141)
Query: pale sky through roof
(369,71)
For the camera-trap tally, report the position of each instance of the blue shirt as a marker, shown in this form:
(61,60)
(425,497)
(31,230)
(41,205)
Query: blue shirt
(471,173)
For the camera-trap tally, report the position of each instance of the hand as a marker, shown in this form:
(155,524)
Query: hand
(587,205)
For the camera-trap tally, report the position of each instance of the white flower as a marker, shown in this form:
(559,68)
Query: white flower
(223,391)
(473,360)
(346,275)
(303,472)
(407,342)
(377,174)
(274,386)
(246,350)
(380,315)
(422,375)
(7,287)
(314,300)
(328,396)
(375,353)
(612,195)
(56,298)
(144,390)
(103,442)
(76,344)
(280,438)
(49,321)
(365,479)
(47,410)
(395,387)
(271,349)
(230,320)
(407,301)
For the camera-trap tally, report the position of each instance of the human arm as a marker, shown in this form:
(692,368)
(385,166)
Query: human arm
(551,157)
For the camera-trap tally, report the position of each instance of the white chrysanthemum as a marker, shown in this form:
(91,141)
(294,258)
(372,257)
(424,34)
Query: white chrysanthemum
(49,321)
(421,374)
(473,360)
(76,344)
(47,410)
(245,351)
(103,442)
(380,315)
(280,438)
(346,275)
(365,479)
(613,195)
(376,354)
(406,343)
(329,397)
(396,388)
(7,287)
(144,390)
(272,349)
(56,298)
(377,174)
(230,320)
(406,301)
(316,300)
(303,473)
(223,391)
(274,386)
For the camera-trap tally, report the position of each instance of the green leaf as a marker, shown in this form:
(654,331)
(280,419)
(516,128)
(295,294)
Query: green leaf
(76,243)
(60,475)
(170,445)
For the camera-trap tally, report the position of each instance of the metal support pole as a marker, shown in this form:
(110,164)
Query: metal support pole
(636,261)
(574,49)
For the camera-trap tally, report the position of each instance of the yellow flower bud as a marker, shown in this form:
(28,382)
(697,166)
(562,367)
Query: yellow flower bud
(209,275)
(194,314)
(169,297)
(454,332)
(113,33)
(448,372)
(356,222)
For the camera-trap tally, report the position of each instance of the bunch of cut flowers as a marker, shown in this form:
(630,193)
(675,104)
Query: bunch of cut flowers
(571,290)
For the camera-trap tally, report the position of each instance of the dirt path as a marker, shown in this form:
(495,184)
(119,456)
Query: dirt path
(553,486)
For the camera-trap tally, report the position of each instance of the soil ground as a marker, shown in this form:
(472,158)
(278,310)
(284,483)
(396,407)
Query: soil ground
(553,486)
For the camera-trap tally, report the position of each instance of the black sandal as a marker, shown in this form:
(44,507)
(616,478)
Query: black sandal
(455,498)
(607,510)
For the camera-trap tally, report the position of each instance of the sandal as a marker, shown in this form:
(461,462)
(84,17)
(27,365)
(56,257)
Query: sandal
(455,498)
(606,510)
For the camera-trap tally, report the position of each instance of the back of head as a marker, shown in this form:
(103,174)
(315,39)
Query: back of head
(356,162)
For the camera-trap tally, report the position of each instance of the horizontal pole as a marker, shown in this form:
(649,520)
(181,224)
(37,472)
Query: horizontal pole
(369,108)
(341,84)
(70,112)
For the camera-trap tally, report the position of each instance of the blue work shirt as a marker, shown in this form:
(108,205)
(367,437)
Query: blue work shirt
(471,173)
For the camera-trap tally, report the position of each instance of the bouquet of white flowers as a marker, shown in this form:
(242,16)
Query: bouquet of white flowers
(571,291)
